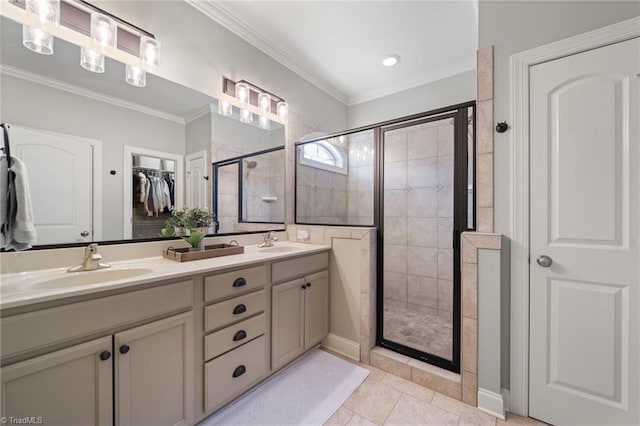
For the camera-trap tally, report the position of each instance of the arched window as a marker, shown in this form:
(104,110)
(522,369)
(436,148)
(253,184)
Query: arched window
(323,155)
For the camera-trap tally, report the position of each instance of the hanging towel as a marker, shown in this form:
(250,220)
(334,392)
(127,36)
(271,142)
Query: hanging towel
(5,200)
(22,233)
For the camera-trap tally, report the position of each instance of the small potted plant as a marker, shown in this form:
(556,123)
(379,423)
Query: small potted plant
(197,220)
(177,222)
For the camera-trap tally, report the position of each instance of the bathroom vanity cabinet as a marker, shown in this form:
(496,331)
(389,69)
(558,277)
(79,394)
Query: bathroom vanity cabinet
(148,369)
(166,352)
(300,317)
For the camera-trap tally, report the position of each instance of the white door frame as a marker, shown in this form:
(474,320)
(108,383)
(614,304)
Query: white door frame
(207,162)
(520,64)
(129,151)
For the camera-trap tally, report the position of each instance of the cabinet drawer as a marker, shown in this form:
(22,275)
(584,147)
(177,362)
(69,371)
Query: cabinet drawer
(230,311)
(294,268)
(34,330)
(228,338)
(231,283)
(247,363)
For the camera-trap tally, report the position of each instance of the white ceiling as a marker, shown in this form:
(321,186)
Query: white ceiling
(339,45)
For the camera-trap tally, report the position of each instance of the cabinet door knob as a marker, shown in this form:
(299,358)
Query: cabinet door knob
(239,371)
(239,282)
(240,335)
(304,286)
(240,309)
(105,355)
(124,349)
(308,284)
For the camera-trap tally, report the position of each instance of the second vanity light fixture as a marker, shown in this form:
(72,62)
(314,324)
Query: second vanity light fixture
(42,16)
(248,94)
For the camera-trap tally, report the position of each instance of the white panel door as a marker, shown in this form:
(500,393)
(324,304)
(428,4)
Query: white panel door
(585,186)
(197,169)
(60,170)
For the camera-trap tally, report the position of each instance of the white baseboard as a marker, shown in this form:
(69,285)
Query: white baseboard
(491,403)
(342,346)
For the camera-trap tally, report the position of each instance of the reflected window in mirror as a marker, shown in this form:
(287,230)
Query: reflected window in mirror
(334,180)
(248,192)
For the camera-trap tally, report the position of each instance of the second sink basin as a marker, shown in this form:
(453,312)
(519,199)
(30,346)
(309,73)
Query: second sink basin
(278,249)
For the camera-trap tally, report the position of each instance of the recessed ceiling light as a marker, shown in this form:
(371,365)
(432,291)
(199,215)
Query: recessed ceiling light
(390,60)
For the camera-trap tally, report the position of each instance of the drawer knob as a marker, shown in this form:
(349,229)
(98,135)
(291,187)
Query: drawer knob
(240,335)
(240,309)
(124,349)
(105,355)
(239,371)
(239,282)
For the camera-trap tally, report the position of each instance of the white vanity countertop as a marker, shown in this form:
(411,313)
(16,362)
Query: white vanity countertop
(26,288)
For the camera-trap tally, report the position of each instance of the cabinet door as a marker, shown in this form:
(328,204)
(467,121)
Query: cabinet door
(316,308)
(72,386)
(154,373)
(287,322)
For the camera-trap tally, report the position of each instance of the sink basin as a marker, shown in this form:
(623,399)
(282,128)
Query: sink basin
(74,279)
(277,249)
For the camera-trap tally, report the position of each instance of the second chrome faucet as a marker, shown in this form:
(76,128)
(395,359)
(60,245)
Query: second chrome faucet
(91,260)
(269,238)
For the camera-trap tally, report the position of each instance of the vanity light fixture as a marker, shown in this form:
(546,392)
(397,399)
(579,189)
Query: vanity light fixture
(40,14)
(390,60)
(251,99)
(107,35)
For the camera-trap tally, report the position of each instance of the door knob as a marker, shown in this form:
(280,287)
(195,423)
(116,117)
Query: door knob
(84,233)
(544,261)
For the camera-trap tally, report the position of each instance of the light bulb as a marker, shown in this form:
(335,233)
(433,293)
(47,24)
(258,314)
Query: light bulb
(150,51)
(264,102)
(283,111)
(136,76)
(246,116)
(40,13)
(91,60)
(242,92)
(264,122)
(104,30)
(224,108)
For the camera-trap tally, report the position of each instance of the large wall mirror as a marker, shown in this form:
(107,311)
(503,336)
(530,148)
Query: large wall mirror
(87,139)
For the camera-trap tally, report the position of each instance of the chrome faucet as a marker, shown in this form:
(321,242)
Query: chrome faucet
(269,238)
(91,260)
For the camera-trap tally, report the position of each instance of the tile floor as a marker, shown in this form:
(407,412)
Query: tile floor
(420,330)
(385,399)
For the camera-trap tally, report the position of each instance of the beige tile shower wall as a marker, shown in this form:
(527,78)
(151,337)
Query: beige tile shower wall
(484,142)
(322,196)
(265,180)
(418,220)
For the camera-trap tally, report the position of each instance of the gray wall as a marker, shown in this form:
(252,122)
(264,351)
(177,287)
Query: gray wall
(198,52)
(198,134)
(41,107)
(441,93)
(515,26)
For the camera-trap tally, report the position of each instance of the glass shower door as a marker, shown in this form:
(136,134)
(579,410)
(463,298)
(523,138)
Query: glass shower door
(421,218)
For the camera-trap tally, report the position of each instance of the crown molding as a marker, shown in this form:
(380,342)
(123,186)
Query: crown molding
(205,110)
(221,15)
(396,88)
(80,91)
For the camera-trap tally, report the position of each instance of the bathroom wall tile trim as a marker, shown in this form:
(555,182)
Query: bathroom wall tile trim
(484,141)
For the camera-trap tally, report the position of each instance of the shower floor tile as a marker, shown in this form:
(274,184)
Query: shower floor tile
(423,331)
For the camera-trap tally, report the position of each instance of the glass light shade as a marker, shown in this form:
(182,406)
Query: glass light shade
(264,122)
(136,76)
(91,60)
(264,102)
(150,51)
(37,40)
(44,11)
(104,30)
(224,108)
(283,111)
(246,116)
(242,93)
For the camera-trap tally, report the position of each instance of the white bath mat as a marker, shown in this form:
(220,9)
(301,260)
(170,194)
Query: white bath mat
(307,392)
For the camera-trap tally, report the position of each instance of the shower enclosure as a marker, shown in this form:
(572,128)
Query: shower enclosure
(426,201)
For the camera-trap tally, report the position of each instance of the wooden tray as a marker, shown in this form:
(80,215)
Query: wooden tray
(215,250)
